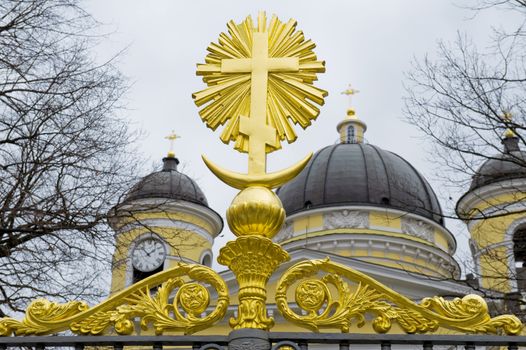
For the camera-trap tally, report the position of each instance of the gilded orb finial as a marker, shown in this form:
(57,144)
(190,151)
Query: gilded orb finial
(172,137)
(507,118)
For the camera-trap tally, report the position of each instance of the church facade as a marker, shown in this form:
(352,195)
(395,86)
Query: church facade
(354,203)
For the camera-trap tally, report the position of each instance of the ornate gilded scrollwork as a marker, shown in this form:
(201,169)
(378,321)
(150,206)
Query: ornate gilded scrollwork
(260,78)
(368,296)
(177,305)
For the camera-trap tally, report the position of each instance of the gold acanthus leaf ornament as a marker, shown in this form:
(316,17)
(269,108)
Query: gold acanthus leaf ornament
(159,309)
(260,71)
(252,259)
(367,296)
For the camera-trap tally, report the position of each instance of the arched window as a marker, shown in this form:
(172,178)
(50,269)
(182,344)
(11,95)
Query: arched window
(519,247)
(350,134)
(519,253)
(207,260)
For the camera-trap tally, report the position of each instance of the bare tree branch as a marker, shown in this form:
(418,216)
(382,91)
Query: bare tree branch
(65,155)
(458,102)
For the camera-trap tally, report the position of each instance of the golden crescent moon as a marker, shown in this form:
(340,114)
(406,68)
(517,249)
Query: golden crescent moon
(270,180)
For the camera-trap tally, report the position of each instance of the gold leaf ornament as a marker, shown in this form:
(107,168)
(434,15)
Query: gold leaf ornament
(252,259)
(39,314)
(188,312)
(359,294)
(268,61)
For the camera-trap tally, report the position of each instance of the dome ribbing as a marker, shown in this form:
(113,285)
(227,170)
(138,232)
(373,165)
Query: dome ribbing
(362,175)
(168,183)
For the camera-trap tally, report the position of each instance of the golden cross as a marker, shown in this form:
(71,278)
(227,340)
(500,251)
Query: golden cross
(259,133)
(350,92)
(172,137)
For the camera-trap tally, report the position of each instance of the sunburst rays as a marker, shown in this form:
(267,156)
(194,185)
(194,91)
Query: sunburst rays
(291,96)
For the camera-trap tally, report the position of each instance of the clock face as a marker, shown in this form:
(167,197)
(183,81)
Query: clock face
(148,254)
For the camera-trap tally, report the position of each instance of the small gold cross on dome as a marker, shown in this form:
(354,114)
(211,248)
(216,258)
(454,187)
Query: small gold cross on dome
(507,117)
(350,92)
(172,137)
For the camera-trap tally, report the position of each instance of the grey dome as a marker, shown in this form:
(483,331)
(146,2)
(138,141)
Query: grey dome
(360,174)
(505,166)
(168,183)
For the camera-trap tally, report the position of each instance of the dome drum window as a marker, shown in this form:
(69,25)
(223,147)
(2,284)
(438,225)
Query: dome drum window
(350,134)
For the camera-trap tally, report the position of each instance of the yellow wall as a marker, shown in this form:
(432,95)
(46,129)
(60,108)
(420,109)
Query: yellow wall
(441,241)
(494,201)
(489,237)
(384,219)
(176,216)
(358,133)
(308,223)
(381,223)
(494,269)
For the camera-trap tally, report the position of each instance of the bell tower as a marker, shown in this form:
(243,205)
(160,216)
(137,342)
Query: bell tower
(163,219)
(494,211)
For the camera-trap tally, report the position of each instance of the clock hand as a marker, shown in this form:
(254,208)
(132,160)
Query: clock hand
(154,247)
(145,252)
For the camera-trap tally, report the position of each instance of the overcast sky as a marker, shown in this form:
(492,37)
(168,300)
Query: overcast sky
(367,43)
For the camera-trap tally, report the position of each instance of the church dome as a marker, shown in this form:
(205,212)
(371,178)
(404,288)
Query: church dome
(168,183)
(358,201)
(363,175)
(511,164)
